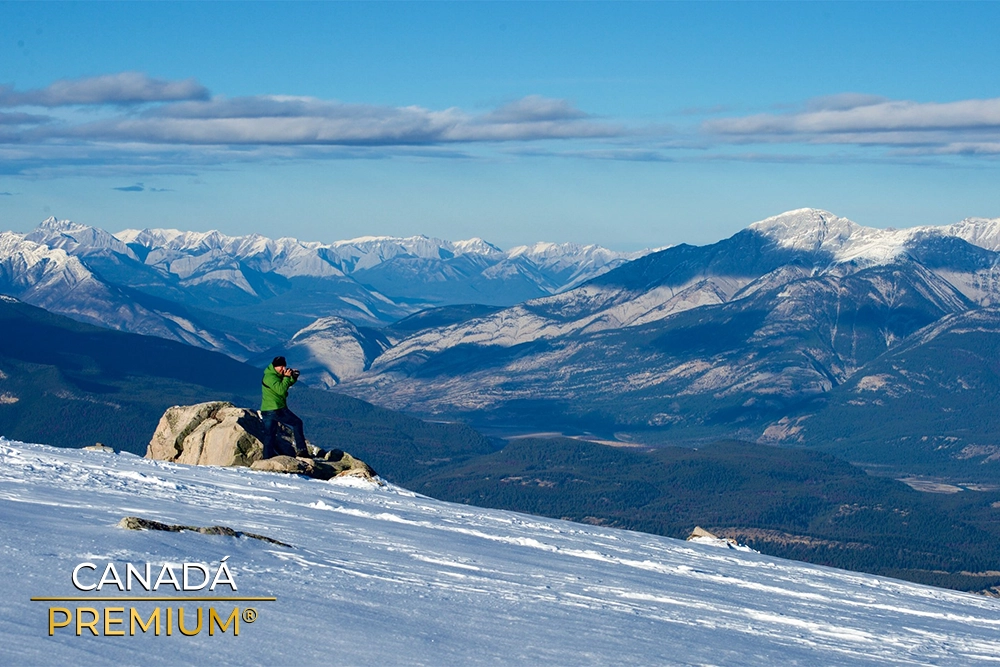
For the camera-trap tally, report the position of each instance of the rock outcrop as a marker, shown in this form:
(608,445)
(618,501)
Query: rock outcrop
(322,465)
(219,433)
(216,433)
(702,536)
(138,523)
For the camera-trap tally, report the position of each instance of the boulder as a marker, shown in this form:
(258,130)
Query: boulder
(343,464)
(216,433)
(284,463)
(221,434)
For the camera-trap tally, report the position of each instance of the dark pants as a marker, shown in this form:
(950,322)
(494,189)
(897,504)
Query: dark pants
(271,420)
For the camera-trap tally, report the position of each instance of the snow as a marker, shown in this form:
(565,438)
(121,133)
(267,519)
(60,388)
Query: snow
(328,351)
(380,575)
(290,257)
(815,230)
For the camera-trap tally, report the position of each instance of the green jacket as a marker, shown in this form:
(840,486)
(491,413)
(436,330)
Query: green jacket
(274,389)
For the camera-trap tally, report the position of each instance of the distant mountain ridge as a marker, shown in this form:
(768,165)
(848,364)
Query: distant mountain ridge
(427,270)
(241,295)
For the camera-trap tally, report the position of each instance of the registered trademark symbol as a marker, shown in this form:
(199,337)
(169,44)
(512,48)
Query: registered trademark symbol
(249,614)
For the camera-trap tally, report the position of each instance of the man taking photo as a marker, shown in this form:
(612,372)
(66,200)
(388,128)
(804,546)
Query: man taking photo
(274,408)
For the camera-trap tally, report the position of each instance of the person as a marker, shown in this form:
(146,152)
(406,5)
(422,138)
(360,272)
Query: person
(278,377)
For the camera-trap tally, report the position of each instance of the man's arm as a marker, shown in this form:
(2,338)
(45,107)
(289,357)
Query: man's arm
(282,385)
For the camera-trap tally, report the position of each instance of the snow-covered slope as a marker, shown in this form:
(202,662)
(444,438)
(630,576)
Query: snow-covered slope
(817,231)
(330,351)
(811,276)
(551,267)
(78,239)
(50,278)
(378,575)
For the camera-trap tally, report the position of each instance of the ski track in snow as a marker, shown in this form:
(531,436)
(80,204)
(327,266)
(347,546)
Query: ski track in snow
(383,575)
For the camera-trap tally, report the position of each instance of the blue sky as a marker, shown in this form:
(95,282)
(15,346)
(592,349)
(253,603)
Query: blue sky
(624,124)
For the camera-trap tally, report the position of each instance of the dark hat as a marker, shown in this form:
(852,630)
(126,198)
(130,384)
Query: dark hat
(279,361)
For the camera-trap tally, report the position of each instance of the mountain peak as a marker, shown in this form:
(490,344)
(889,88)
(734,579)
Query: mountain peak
(983,232)
(810,229)
(476,245)
(52,223)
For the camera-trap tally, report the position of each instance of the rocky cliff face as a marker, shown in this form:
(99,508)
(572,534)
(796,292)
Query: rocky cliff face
(221,434)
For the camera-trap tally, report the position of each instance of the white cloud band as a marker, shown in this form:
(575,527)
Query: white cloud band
(123,88)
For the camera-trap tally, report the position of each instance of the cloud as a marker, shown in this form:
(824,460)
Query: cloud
(133,126)
(305,121)
(23,119)
(141,187)
(124,88)
(985,148)
(842,101)
(613,154)
(963,127)
(6,194)
(872,117)
(534,108)
(136,160)
(130,124)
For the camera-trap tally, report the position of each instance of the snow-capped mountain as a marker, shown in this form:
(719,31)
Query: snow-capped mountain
(417,267)
(330,351)
(738,333)
(372,574)
(367,252)
(47,276)
(77,239)
(243,294)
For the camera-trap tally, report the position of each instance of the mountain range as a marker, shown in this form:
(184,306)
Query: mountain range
(803,330)
(752,337)
(795,331)
(241,295)
(72,384)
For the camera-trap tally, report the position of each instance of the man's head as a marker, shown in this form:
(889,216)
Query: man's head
(279,363)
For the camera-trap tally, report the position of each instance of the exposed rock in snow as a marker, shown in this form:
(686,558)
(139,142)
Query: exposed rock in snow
(138,523)
(702,536)
(221,434)
(215,433)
